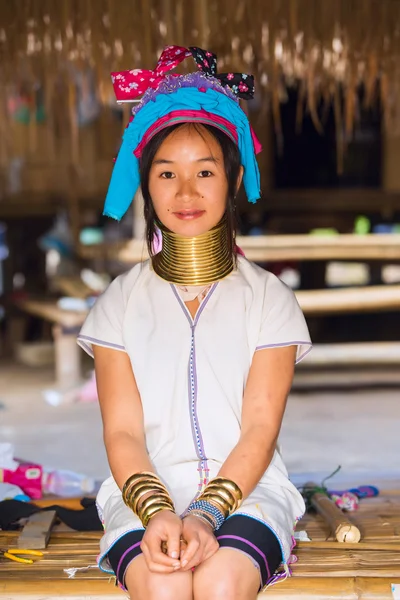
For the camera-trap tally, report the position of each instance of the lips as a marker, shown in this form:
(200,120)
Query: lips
(189,214)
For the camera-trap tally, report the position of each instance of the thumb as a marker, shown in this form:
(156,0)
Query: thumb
(174,544)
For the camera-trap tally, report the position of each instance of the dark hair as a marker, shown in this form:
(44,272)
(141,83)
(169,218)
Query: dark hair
(232,164)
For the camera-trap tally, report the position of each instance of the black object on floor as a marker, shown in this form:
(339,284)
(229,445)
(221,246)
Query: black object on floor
(87,519)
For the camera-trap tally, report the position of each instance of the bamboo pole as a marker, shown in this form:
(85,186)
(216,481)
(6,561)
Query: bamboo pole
(343,529)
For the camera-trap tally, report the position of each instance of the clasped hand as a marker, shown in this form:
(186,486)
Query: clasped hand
(171,544)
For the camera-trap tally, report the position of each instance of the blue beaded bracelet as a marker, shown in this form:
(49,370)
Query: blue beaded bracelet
(209,508)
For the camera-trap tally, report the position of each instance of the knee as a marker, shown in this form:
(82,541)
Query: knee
(173,588)
(144,585)
(215,586)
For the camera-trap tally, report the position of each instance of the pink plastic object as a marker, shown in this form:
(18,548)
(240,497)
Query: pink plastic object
(27,476)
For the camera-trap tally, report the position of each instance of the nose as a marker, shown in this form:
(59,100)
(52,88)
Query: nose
(187,190)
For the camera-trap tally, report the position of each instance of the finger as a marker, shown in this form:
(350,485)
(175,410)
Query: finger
(195,561)
(188,554)
(210,552)
(154,554)
(154,567)
(205,551)
(174,545)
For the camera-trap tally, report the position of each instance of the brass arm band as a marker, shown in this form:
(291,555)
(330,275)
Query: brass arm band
(153,510)
(140,485)
(133,488)
(140,490)
(217,501)
(229,485)
(133,479)
(152,500)
(223,493)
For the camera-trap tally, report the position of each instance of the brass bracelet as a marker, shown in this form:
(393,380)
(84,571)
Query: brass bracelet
(217,501)
(141,490)
(137,495)
(152,500)
(141,484)
(223,492)
(153,510)
(230,485)
(133,479)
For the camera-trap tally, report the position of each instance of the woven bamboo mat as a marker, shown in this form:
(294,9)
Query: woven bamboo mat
(324,569)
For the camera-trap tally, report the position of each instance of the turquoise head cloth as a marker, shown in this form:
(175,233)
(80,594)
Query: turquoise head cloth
(125,178)
(203,91)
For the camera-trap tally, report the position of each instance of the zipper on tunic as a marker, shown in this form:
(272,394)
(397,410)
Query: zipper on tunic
(202,468)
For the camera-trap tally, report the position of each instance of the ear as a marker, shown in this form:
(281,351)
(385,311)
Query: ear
(239,179)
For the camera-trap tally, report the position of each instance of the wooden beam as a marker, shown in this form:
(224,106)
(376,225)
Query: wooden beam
(353,353)
(36,533)
(312,302)
(273,248)
(366,374)
(49,311)
(349,300)
(329,200)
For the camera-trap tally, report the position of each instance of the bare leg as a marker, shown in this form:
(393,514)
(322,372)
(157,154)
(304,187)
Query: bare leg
(142,584)
(228,575)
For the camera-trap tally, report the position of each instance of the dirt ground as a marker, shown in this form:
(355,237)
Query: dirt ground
(357,429)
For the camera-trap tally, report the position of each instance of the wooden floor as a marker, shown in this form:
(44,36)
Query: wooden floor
(324,569)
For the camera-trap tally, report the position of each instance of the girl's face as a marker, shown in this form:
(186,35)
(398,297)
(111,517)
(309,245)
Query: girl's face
(187,182)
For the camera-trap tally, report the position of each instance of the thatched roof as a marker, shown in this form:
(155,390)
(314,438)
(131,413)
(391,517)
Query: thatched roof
(318,42)
(49,48)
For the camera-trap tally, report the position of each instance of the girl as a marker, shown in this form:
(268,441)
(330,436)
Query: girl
(194,354)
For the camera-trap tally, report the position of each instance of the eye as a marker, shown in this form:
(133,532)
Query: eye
(167,175)
(205,173)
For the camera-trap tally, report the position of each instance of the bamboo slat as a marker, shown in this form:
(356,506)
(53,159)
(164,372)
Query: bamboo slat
(354,588)
(324,569)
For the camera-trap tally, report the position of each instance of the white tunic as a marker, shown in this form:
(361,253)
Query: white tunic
(191,375)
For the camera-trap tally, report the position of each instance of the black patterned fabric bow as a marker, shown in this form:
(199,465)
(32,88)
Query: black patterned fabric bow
(241,84)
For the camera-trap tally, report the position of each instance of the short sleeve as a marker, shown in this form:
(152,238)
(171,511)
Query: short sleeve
(283,322)
(103,325)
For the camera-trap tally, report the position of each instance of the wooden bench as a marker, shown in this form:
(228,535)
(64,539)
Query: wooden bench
(272,248)
(66,325)
(325,569)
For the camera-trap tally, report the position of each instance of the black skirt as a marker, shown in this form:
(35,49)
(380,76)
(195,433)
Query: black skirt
(246,534)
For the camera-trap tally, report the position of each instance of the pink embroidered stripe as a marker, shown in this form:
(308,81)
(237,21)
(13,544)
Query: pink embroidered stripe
(188,116)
